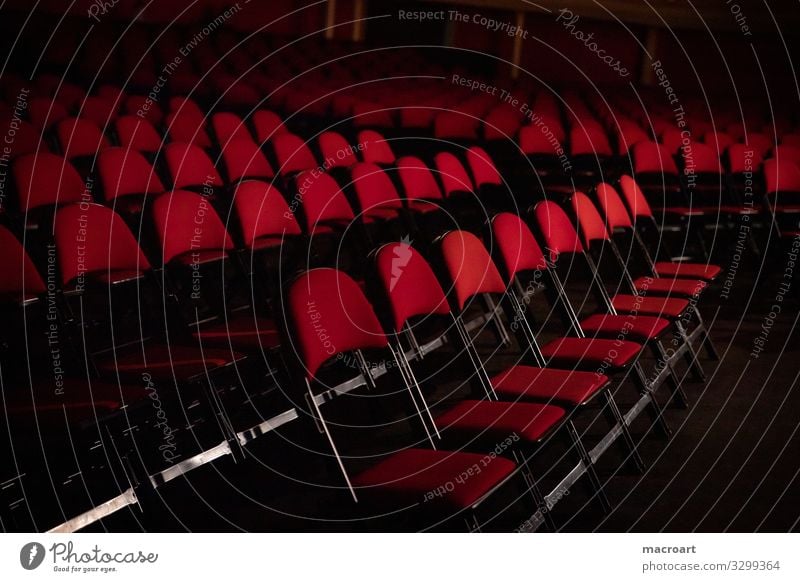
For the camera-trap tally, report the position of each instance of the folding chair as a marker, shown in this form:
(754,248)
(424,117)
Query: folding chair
(328,317)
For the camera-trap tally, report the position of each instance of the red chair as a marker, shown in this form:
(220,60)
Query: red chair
(80,138)
(267,125)
(102,112)
(375,193)
(127,179)
(194,240)
(292,154)
(186,127)
(229,127)
(44,113)
(326,301)
(644,219)
(453,176)
(421,191)
(324,205)
(375,149)
(45,181)
(137,134)
(190,167)
(264,216)
(242,159)
(336,152)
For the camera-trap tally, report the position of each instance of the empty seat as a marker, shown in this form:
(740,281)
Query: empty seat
(80,138)
(45,179)
(127,178)
(336,152)
(267,125)
(137,134)
(228,127)
(292,154)
(421,191)
(243,159)
(190,167)
(376,195)
(374,148)
(264,215)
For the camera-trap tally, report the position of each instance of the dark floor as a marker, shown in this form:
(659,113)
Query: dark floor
(731,465)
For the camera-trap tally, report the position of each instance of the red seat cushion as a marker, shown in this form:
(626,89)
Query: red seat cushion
(670,286)
(636,327)
(531,383)
(691,270)
(412,476)
(243,333)
(166,363)
(494,421)
(423,206)
(659,306)
(567,352)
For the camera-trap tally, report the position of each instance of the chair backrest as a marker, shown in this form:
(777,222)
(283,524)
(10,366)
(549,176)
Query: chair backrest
(137,134)
(452,174)
(186,222)
(263,212)
(653,158)
(124,172)
(743,158)
(557,231)
(336,152)
(322,199)
(418,180)
(517,249)
(589,139)
(80,137)
(243,158)
(409,284)
(539,140)
(783,176)
(229,126)
(372,186)
(760,142)
(589,220)
(374,148)
(45,179)
(612,207)
(190,167)
(267,125)
(18,275)
(703,158)
(469,267)
(455,125)
(328,315)
(93,238)
(484,172)
(635,198)
(187,128)
(293,154)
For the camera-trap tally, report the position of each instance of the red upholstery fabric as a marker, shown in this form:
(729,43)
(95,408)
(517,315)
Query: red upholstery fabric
(267,125)
(469,267)
(571,387)
(634,198)
(80,137)
(517,248)
(45,179)
(409,283)
(452,174)
(190,167)
(323,202)
(228,127)
(640,328)
(613,208)
(590,222)
(483,170)
(557,230)
(669,286)
(19,279)
(417,178)
(335,150)
(263,213)
(330,315)
(589,352)
(293,154)
(93,240)
(186,223)
(125,172)
(374,148)
(494,421)
(691,270)
(658,306)
(242,158)
(412,476)
(137,134)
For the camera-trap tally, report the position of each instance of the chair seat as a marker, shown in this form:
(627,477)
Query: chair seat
(568,352)
(493,421)
(731,209)
(266,242)
(690,270)
(571,387)
(636,327)
(670,286)
(455,480)
(166,363)
(424,206)
(378,213)
(242,333)
(659,306)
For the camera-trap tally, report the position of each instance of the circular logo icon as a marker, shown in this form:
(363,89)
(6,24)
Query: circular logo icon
(31,555)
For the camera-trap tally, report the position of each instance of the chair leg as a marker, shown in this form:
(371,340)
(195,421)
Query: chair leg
(676,389)
(656,413)
(691,357)
(591,473)
(536,493)
(630,450)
